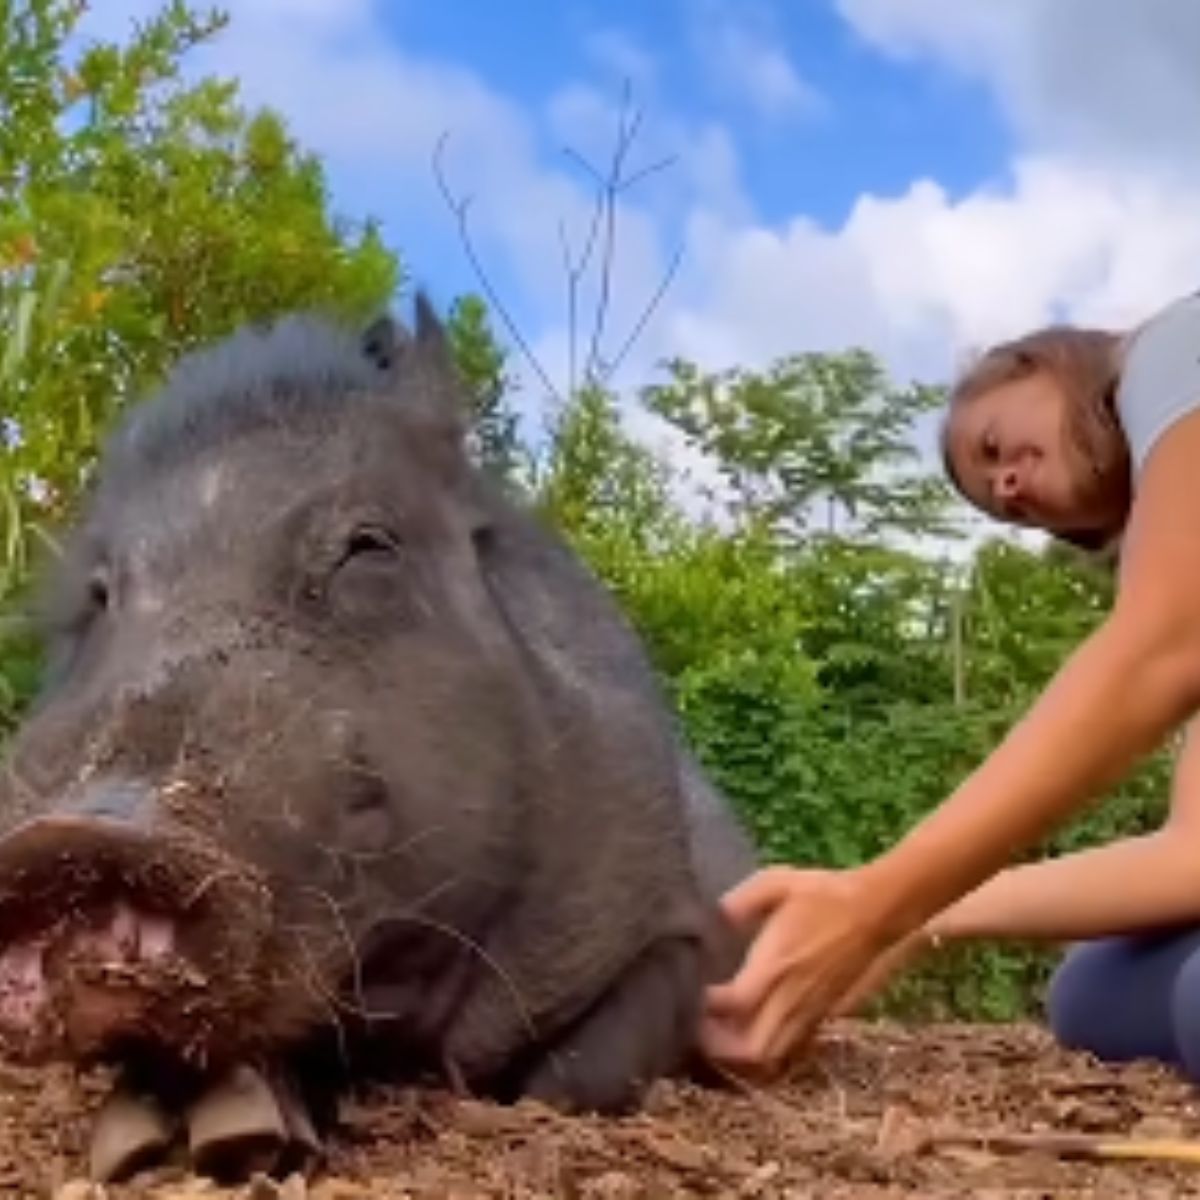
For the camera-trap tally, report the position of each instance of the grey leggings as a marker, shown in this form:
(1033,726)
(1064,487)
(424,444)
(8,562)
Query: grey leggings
(1131,998)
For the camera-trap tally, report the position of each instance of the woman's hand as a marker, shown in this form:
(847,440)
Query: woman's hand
(897,958)
(818,936)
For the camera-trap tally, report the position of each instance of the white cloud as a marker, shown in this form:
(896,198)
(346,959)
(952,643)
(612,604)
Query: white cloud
(1094,220)
(622,56)
(919,277)
(750,65)
(922,279)
(1071,231)
(1101,79)
(375,113)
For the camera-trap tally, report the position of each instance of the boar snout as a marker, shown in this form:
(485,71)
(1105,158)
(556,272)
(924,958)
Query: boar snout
(116,931)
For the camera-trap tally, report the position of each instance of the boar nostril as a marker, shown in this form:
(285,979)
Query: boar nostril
(110,929)
(89,978)
(366,822)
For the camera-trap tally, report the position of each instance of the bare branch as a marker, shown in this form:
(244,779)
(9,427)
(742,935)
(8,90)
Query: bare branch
(606,274)
(646,172)
(597,178)
(647,313)
(612,186)
(459,209)
(572,281)
(575,272)
(599,246)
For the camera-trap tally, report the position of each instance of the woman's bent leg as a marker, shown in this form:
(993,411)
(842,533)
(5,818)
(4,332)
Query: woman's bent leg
(1185,1012)
(1126,998)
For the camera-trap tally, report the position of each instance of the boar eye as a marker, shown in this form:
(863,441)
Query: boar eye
(484,539)
(371,540)
(367,583)
(98,592)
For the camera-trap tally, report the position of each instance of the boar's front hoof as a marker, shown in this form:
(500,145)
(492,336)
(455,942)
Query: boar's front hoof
(249,1123)
(131,1134)
(244,1123)
(303,1149)
(236,1128)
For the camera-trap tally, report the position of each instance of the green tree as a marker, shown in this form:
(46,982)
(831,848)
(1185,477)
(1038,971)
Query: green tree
(594,474)
(816,442)
(1024,612)
(483,365)
(148,216)
(875,622)
(141,217)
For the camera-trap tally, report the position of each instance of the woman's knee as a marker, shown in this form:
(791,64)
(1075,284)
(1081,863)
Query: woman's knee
(1116,998)
(1185,1014)
(1075,1005)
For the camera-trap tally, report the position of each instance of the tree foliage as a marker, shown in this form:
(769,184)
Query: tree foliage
(141,217)
(815,442)
(144,216)
(487,381)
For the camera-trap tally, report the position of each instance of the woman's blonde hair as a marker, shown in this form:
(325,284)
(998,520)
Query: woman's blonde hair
(1085,364)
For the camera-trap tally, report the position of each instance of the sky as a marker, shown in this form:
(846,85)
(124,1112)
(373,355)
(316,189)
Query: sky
(914,177)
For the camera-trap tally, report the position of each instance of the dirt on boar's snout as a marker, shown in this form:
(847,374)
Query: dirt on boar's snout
(111,937)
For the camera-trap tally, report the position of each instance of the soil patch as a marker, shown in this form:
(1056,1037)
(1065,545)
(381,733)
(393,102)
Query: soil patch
(875,1111)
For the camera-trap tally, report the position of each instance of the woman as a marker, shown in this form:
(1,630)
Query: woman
(1094,437)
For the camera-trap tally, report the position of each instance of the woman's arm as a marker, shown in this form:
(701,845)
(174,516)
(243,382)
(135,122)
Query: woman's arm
(1135,883)
(1118,697)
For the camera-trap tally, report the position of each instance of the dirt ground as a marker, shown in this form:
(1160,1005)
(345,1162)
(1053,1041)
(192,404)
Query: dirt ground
(877,1111)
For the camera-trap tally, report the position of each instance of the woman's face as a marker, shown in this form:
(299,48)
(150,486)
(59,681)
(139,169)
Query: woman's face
(1015,459)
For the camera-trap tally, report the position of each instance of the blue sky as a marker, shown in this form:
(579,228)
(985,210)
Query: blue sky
(916,177)
(859,120)
(814,114)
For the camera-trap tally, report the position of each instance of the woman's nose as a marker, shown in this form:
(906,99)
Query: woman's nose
(1006,483)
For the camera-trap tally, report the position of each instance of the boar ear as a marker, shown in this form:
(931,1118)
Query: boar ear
(436,373)
(418,365)
(383,343)
(428,381)
(431,333)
